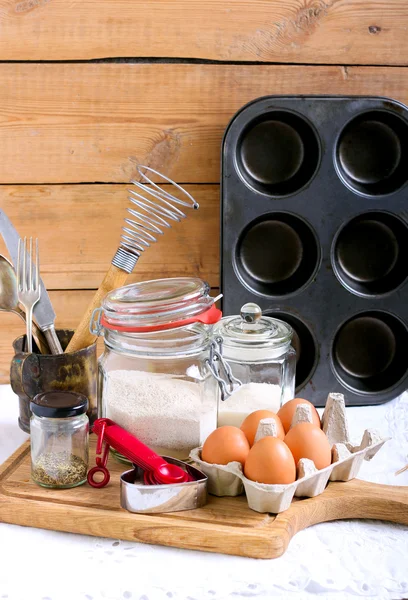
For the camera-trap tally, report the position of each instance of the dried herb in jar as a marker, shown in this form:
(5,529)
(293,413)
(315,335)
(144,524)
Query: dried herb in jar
(59,469)
(59,431)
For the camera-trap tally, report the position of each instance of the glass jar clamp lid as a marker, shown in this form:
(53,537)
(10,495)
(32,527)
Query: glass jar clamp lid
(149,307)
(156,305)
(252,336)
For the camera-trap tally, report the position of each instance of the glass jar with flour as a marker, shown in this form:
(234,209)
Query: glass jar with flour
(154,379)
(258,350)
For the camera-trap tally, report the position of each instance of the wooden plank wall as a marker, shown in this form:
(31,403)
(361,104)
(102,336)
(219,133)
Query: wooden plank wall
(89,88)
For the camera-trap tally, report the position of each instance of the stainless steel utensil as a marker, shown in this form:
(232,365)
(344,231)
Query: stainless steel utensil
(156,207)
(9,299)
(28,284)
(137,497)
(43,312)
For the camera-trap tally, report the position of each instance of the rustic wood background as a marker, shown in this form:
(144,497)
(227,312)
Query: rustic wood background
(89,88)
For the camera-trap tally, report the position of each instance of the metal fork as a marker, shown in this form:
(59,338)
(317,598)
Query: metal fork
(28,283)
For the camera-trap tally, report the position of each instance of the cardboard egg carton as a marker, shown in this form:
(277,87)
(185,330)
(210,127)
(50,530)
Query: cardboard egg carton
(229,480)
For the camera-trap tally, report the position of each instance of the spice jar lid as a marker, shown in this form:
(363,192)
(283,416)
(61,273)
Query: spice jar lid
(159,304)
(59,405)
(251,329)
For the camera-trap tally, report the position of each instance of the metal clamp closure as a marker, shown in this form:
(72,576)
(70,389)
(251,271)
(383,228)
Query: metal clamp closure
(221,370)
(95,326)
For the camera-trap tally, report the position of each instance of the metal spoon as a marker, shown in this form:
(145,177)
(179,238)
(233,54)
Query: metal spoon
(9,299)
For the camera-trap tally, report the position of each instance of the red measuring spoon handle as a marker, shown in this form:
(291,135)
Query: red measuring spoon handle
(129,446)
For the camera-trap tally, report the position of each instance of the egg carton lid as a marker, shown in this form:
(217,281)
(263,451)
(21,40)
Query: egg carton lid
(229,480)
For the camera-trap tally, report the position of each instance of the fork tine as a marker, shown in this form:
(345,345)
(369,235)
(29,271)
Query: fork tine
(24,257)
(28,281)
(37,266)
(30,273)
(19,266)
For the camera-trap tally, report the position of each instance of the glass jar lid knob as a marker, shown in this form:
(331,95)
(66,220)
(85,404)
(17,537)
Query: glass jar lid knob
(251,312)
(252,322)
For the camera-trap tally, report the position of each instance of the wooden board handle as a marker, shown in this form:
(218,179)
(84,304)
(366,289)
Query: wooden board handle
(354,499)
(82,337)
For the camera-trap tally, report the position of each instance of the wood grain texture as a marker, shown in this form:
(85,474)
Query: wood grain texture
(93,122)
(224,525)
(311,31)
(79,229)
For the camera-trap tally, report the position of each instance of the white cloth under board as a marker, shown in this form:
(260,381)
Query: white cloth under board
(331,561)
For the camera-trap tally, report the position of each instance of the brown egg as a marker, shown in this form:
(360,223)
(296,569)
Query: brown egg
(288,410)
(305,440)
(250,424)
(224,445)
(270,461)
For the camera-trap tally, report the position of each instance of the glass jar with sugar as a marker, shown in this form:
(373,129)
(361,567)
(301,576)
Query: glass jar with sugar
(258,350)
(154,378)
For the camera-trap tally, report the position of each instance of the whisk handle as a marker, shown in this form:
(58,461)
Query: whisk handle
(82,337)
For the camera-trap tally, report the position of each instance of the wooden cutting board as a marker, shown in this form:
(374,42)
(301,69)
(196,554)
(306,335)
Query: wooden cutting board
(224,525)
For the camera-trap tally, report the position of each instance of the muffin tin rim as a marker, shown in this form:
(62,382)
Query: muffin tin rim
(248,105)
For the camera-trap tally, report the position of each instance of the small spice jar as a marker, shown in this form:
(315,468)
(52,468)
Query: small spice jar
(59,430)
(258,350)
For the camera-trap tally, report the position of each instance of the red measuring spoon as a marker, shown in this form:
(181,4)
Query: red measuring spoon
(156,469)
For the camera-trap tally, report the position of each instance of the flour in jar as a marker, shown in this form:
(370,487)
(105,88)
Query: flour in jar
(165,412)
(246,399)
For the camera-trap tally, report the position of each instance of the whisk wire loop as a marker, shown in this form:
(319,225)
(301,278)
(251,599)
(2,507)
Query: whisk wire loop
(160,191)
(156,209)
(174,213)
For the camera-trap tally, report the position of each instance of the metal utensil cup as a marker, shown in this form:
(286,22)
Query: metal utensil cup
(137,497)
(31,374)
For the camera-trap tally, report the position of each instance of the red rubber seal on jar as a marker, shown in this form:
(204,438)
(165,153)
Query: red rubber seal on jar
(208,317)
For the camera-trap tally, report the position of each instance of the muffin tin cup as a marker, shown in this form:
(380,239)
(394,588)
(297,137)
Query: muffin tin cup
(278,153)
(368,353)
(277,254)
(327,250)
(371,153)
(369,254)
(229,480)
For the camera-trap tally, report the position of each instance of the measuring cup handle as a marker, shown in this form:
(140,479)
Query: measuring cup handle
(91,477)
(144,457)
(128,445)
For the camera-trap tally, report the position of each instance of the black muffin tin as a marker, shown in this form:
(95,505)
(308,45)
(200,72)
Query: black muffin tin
(314,230)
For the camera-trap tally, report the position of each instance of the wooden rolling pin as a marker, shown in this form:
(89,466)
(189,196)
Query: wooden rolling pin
(138,234)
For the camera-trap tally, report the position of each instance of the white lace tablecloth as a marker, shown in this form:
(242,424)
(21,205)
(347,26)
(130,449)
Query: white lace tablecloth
(339,560)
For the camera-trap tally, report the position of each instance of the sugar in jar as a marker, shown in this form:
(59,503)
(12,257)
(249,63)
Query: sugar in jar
(258,350)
